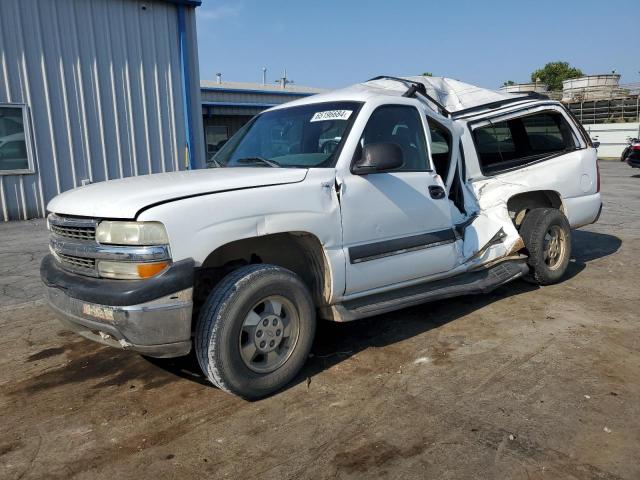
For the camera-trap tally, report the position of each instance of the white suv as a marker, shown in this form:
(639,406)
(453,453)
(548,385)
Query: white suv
(434,188)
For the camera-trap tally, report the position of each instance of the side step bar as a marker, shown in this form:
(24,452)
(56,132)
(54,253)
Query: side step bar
(470,283)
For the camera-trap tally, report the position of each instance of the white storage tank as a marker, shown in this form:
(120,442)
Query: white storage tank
(525,88)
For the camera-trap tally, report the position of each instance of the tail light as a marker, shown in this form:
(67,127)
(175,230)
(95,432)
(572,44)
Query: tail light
(636,147)
(597,176)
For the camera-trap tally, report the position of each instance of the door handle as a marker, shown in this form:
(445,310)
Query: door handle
(436,192)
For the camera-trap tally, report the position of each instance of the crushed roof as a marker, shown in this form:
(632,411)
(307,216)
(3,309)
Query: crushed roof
(453,94)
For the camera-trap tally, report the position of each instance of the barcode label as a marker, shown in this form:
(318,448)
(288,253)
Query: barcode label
(331,115)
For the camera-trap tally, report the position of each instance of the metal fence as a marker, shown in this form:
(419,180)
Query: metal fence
(620,105)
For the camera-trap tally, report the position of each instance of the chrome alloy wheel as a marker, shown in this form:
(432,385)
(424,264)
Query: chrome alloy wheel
(555,242)
(269,334)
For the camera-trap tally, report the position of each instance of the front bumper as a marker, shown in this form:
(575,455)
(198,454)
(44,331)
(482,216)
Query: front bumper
(158,327)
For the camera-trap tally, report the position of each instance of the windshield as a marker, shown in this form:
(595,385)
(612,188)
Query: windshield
(306,136)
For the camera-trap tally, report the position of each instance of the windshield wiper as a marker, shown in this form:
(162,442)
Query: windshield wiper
(271,163)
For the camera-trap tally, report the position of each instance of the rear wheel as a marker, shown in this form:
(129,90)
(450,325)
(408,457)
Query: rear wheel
(255,330)
(547,238)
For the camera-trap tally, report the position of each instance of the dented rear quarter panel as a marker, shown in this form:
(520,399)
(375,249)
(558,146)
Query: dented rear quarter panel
(573,175)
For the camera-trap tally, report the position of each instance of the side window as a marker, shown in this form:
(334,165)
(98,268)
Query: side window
(401,125)
(495,145)
(547,132)
(14,154)
(519,141)
(440,148)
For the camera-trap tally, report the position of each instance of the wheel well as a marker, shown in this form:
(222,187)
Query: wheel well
(520,204)
(300,252)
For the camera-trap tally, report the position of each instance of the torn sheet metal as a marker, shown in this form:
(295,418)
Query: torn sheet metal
(490,236)
(454,95)
(493,218)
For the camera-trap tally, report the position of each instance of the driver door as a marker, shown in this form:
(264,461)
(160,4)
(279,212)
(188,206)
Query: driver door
(397,224)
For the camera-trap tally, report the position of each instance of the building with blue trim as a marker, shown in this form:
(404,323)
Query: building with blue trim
(93,91)
(227,106)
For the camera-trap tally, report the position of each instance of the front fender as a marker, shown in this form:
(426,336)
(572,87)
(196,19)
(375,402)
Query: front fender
(198,226)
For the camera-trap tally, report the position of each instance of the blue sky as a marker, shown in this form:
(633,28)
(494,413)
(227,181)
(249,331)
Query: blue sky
(334,43)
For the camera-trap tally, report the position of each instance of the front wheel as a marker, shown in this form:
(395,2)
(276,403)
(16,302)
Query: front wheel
(255,330)
(547,237)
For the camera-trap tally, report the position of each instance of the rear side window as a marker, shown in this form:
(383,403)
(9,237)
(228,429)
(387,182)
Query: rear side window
(523,140)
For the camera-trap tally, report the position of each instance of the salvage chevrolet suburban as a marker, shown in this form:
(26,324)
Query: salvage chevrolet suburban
(389,193)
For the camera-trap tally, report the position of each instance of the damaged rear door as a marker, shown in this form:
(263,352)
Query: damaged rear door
(476,230)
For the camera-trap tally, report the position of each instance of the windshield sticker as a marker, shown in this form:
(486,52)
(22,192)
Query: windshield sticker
(331,115)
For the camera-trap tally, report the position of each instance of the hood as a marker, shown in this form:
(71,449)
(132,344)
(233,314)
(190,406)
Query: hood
(124,198)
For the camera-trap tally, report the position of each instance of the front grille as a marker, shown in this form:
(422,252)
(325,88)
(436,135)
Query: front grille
(70,236)
(87,265)
(80,233)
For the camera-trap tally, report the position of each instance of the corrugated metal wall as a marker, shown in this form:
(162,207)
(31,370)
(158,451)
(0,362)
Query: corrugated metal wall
(103,83)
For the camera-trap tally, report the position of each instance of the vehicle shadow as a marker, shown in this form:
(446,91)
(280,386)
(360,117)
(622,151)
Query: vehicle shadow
(588,246)
(336,342)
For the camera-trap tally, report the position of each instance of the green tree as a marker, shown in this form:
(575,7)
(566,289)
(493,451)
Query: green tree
(508,82)
(554,73)
(427,74)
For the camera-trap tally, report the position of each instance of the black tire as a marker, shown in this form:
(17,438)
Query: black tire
(538,227)
(623,157)
(221,324)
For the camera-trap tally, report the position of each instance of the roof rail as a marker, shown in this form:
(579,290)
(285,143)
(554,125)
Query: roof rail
(414,87)
(498,104)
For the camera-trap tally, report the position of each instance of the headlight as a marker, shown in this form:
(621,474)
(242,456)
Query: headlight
(131,233)
(130,271)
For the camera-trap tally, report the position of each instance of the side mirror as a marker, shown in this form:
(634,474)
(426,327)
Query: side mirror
(595,144)
(379,157)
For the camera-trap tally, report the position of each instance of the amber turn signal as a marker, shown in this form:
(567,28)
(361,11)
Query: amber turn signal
(147,270)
